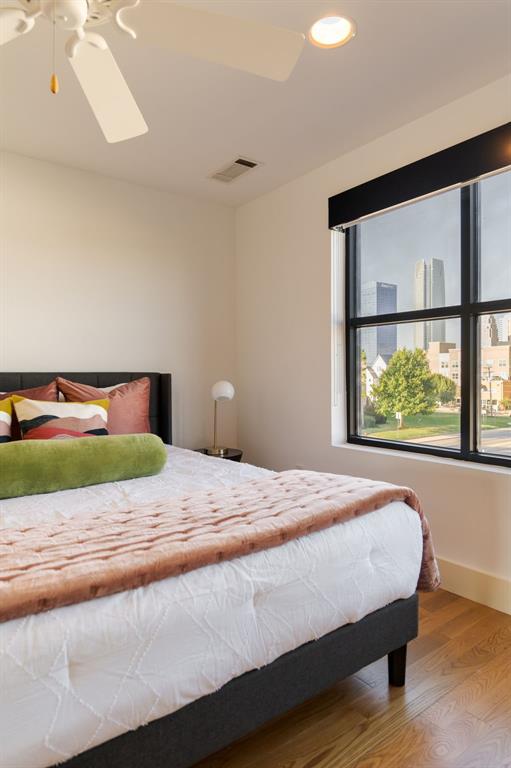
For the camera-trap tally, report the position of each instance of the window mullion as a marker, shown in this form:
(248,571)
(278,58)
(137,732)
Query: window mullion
(351,283)
(469,293)
(475,296)
(410,316)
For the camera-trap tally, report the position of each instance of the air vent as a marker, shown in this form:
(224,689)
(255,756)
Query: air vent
(240,166)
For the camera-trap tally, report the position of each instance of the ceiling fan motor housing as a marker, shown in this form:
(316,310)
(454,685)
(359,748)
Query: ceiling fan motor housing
(100,12)
(68,14)
(74,14)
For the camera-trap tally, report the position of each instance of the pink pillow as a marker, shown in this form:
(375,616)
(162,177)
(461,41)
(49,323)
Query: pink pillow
(129,403)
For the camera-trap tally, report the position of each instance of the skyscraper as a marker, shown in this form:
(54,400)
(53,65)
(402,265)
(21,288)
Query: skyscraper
(378,299)
(429,292)
(503,322)
(489,331)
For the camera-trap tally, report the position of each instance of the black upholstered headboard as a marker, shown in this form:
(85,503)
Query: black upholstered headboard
(160,410)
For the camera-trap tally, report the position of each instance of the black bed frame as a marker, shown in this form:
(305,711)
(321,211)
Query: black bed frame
(181,739)
(208,724)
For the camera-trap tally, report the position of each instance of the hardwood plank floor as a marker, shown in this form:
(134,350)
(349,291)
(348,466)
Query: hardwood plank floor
(454,712)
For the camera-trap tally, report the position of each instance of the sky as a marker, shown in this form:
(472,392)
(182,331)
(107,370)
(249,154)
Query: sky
(393,242)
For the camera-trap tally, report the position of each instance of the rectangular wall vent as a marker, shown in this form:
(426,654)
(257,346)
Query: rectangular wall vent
(240,166)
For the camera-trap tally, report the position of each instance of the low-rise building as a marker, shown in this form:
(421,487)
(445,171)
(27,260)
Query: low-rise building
(495,360)
(495,394)
(438,356)
(373,373)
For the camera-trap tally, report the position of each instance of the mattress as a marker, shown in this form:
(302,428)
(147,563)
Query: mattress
(85,673)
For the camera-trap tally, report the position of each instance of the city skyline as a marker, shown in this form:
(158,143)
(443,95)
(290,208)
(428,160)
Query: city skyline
(392,243)
(378,298)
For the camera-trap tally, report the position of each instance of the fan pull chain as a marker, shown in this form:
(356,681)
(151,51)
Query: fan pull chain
(54,81)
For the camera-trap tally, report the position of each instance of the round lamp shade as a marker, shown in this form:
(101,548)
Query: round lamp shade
(222,390)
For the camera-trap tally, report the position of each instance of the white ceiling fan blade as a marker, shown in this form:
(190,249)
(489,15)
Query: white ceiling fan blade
(247,45)
(13,24)
(106,90)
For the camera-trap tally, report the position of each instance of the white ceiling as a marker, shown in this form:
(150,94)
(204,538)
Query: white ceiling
(409,57)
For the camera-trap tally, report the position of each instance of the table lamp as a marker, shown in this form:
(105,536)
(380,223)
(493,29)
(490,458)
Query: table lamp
(222,390)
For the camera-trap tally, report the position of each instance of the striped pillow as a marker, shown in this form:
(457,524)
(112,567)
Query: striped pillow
(46,392)
(5,420)
(41,420)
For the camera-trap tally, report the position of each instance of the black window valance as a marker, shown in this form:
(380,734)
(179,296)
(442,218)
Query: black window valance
(455,166)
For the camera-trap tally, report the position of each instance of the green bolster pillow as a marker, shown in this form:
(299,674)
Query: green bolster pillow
(42,466)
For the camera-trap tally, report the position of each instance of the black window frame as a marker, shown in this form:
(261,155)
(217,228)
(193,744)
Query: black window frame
(468,311)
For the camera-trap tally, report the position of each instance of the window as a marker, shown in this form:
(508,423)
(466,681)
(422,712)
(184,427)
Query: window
(428,323)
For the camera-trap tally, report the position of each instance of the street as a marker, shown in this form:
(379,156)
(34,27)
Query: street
(492,441)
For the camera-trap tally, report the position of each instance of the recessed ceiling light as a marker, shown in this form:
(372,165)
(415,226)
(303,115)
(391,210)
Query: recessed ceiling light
(332,31)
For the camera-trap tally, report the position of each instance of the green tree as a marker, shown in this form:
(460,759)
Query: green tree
(445,388)
(363,369)
(406,386)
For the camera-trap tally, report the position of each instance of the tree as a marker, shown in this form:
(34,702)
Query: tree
(445,388)
(406,387)
(363,374)
(371,416)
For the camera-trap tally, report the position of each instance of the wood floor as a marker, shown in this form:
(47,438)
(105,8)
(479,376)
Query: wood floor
(454,712)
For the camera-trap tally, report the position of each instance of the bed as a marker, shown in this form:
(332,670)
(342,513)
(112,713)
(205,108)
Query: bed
(201,659)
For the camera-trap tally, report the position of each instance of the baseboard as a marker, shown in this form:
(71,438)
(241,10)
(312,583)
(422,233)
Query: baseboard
(476,585)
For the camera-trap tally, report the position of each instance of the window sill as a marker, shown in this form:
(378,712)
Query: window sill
(409,455)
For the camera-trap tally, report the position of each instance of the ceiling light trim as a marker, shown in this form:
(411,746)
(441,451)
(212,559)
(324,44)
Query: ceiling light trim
(332,32)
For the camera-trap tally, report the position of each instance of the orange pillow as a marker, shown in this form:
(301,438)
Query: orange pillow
(129,403)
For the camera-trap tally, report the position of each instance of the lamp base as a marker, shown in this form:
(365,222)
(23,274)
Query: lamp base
(218,451)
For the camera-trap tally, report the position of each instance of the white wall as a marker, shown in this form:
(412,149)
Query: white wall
(284,323)
(97,274)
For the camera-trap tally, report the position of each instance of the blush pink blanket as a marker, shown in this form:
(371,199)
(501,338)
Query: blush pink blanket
(54,565)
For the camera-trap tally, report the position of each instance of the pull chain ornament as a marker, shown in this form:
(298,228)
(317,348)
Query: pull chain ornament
(54,81)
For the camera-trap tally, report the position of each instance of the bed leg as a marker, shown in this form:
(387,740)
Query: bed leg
(397,666)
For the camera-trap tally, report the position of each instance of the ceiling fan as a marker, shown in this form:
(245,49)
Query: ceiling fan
(246,45)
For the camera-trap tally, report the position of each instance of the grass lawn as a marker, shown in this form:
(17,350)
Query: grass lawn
(431,425)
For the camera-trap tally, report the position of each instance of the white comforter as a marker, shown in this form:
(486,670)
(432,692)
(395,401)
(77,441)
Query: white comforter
(74,677)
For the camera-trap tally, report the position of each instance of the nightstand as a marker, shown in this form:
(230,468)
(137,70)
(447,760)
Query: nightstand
(233,454)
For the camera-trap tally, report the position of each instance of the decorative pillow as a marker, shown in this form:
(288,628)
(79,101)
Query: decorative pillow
(129,403)
(5,420)
(104,390)
(43,466)
(41,420)
(46,392)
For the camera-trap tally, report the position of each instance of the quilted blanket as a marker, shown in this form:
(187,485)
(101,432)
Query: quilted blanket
(47,566)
